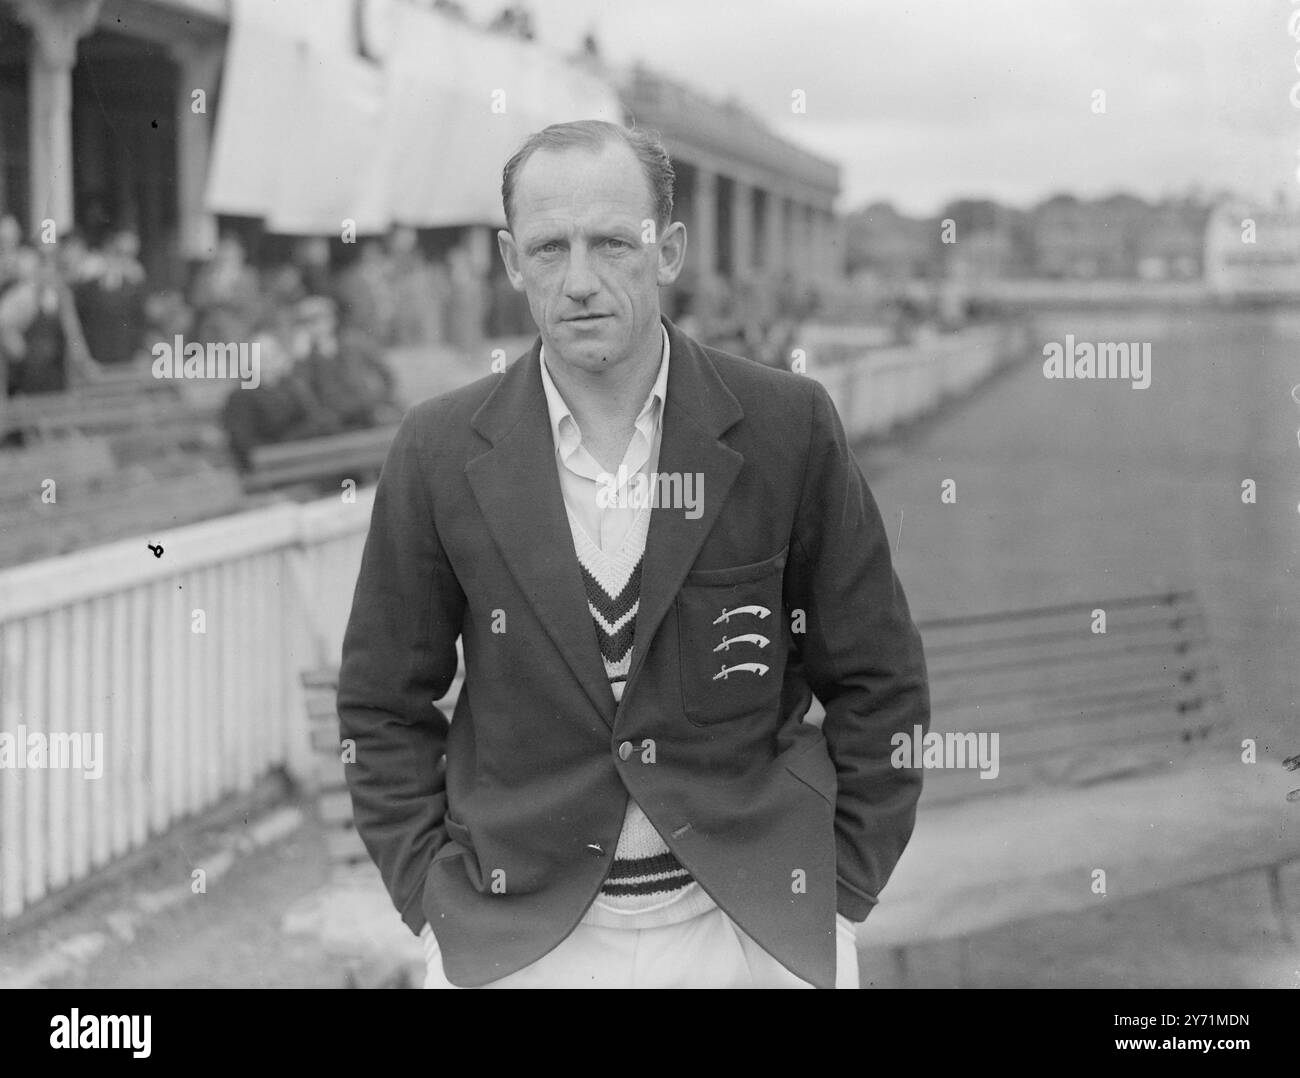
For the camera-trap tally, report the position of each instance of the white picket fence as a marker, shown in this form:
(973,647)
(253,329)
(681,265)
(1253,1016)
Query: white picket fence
(892,386)
(107,641)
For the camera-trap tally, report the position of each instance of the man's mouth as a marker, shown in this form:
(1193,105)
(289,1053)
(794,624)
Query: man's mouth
(586,317)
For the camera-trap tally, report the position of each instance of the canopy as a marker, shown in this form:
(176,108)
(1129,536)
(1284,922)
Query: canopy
(311,133)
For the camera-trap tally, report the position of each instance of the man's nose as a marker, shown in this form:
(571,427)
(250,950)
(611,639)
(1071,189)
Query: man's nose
(580,283)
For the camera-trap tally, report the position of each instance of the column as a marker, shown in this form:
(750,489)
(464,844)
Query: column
(742,230)
(807,223)
(774,236)
(820,239)
(200,68)
(704,235)
(816,245)
(56,26)
(797,248)
(834,245)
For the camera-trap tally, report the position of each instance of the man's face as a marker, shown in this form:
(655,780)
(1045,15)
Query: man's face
(584,251)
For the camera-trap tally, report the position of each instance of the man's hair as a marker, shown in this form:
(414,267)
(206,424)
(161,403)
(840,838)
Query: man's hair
(593,135)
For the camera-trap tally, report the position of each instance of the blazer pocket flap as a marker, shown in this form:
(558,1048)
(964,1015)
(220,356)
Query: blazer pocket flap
(739,574)
(456,831)
(814,767)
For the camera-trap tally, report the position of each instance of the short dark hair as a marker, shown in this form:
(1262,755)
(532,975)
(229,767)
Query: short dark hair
(593,135)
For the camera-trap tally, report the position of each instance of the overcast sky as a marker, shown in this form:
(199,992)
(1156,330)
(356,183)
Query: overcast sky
(923,102)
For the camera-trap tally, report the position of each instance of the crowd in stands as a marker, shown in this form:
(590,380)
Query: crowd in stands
(747,316)
(70,311)
(62,304)
(317,379)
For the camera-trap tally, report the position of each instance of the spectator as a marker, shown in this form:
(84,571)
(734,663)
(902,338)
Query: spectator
(11,242)
(40,335)
(284,406)
(315,382)
(347,371)
(110,296)
(365,294)
(282,290)
(311,254)
(167,315)
(227,295)
(467,311)
(417,306)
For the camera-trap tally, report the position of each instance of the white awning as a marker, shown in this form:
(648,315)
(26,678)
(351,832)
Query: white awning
(310,133)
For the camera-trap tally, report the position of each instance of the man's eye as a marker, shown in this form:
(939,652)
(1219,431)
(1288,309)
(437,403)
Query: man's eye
(617,243)
(546,248)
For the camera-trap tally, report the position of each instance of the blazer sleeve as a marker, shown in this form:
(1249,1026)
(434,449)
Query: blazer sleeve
(861,656)
(399,657)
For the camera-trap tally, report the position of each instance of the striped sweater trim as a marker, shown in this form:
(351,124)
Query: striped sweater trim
(646,876)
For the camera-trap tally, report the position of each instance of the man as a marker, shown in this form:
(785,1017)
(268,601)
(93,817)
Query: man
(301,390)
(347,370)
(630,795)
(42,349)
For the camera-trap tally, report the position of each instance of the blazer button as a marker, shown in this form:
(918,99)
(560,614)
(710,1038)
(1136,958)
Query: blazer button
(625,750)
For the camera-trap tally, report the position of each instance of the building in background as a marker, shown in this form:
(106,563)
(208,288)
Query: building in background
(1086,239)
(182,119)
(97,127)
(1252,252)
(759,210)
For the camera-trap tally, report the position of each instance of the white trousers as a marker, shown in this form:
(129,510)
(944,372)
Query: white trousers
(708,951)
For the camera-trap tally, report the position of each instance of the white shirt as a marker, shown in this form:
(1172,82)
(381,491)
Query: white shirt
(581,476)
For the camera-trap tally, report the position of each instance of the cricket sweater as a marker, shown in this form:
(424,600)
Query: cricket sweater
(647,886)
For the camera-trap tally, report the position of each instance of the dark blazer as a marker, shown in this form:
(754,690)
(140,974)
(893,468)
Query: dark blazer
(504,846)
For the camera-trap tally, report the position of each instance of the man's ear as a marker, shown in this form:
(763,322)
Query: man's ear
(510,256)
(672,253)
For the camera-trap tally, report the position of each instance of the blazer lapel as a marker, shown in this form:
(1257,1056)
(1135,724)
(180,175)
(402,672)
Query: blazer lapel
(699,409)
(518,490)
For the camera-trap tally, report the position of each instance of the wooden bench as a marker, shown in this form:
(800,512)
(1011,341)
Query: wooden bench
(139,415)
(355,455)
(1106,760)
(1070,705)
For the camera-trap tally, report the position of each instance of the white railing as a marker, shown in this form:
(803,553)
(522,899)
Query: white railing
(891,386)
(106,641)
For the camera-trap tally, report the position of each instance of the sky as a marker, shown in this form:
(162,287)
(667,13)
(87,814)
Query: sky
(921,103)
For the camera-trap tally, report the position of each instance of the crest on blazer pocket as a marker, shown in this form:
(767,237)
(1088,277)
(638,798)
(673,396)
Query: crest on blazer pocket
(731,636)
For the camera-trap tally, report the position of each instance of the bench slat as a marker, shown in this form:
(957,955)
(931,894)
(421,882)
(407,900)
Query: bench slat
(1181,651)
(1162,599)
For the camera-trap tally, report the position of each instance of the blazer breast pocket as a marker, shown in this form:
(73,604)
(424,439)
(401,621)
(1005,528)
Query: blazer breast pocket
(731,636)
